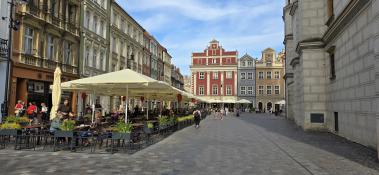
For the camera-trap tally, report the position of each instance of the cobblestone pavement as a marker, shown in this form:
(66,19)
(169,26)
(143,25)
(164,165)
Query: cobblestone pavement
(250,144)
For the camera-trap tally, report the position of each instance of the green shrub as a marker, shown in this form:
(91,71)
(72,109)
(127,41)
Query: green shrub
(123,127)
(67,125)
(150,125)
(12,119)
(7,125)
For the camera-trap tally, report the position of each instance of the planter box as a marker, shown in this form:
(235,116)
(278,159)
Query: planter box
(120,136)
(9,132)
(148,130)
(60,133)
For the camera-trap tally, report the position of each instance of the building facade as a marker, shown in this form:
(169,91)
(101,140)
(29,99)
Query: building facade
(187,83)
(4,40)
(214,73)
(177,79)
(146,54)
(94,46)
(167,66)
(48,37)
(160,64)
(270,90)
(246,79)
(332,66)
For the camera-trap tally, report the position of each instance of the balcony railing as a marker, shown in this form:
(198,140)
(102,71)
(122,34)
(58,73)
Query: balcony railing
(33,9)
(47,63)
(4,48)
(72,27)
(55,20)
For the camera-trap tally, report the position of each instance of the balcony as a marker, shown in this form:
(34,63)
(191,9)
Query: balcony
(47,64)
(72,27)
(3,48)
(56,20)
(33,9)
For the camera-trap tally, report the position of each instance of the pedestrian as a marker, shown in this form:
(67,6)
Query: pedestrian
(222,112)
(44,109)
(197,117)
(19,108)
(31,111)
(237,112)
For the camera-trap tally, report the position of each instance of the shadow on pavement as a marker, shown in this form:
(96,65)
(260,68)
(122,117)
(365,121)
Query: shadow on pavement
(322,140)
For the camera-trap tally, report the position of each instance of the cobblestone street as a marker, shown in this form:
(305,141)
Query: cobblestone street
(251,144)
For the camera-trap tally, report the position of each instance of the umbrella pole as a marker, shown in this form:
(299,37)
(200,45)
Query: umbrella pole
(147,110)
(126,104)
(93,106)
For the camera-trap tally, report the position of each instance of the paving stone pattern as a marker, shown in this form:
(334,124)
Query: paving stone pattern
(251,144)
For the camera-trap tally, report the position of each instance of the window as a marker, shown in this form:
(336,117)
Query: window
(214,90)
(67,52)
(228,90)
(229,75)
(277,90)
(261,90)
(268,75)
(94,58)
(201,77)
(201,90)
(276,74)
(87,57)
(122,48)
(88,19)
(269,90)
(243,90)
(332,66)
(28,40)
(250,90)
(213,52)
(250,75)
(123,26)
(114,44)
(243,76)
(54,8)
(101,67)
(215,75)
(50,47)
(250,63)
(214,61)
(243,63)
(101,28)
(260,75)
(94,29)
(114,18)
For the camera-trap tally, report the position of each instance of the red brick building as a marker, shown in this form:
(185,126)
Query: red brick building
(214,73)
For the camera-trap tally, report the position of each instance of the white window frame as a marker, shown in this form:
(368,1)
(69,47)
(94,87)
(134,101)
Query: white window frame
(101,28)
(50,47)
(250,63)
(269,90)
(277,74)
(261,90)
(250,90)
(28,40)
(269,75)
(214,60)
(88,19)
(101,59)
(214,89)
(67,52)
(86,59)
(94,58)
(243,63)
(250,75)
(243,90)
(201,75)
(277,90)
(243,76)
(201,90)
(94,24)
(261,75)
(229,75)
(228,90)
(215,75)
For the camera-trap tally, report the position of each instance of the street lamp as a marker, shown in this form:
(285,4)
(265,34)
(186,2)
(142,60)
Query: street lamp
(13,25)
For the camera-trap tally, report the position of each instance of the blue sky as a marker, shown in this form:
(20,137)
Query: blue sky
(186,26)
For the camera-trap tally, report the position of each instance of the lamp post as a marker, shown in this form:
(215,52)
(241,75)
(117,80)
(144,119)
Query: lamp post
(13,25)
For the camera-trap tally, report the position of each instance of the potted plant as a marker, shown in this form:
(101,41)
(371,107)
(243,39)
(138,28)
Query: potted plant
(9,129)
(66,129)
(24,121)
(122,130)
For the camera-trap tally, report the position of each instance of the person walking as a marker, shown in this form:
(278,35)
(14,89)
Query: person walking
(197,117)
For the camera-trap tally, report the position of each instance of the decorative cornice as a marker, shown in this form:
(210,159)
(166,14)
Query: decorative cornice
(293,8)
(288,75)
(295,61)
(344,18)
(287,37)
(312,43)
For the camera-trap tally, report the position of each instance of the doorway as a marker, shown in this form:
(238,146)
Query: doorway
(260,106)
(269,106)
(336,127)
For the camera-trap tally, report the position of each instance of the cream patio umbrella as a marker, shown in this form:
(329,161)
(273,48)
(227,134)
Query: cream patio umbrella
(56,93)
(244,101)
